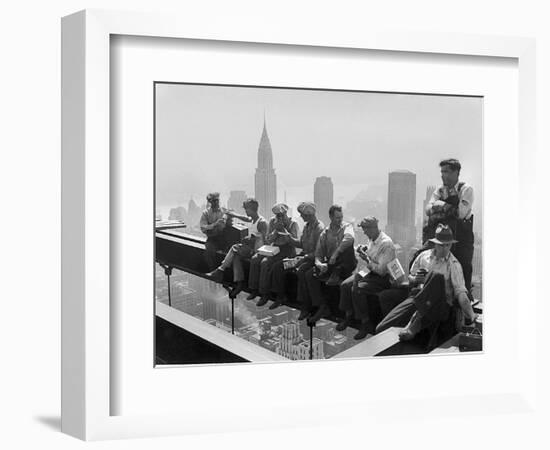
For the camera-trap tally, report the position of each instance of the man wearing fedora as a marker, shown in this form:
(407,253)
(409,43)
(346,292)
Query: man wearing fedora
(437,285)
(307,242)
(281,232)
(359,290)
(451,204)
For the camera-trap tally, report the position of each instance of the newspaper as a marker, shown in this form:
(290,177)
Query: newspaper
(395,269)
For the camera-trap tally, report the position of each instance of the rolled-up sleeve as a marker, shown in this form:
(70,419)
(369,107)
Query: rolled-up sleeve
(204,222)
(320,249)
(347,239)
(387,254)
(434,198)
(294,230)
(466,202)
(457,279)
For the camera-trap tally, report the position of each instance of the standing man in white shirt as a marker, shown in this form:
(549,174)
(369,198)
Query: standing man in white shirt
(451,204)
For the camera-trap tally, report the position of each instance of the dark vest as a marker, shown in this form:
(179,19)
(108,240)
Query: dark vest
(462,228)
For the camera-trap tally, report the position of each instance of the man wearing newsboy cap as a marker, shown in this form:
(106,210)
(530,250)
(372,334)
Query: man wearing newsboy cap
(307,242)
(213,224)
(438,276)
(281,232)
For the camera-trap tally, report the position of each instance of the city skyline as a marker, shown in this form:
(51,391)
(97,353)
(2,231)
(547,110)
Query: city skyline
(356,139)
(372,153)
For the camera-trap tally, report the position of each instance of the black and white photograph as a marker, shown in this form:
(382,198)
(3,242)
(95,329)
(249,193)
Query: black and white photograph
(308,224)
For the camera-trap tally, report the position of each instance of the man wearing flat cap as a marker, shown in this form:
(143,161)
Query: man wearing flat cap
(359,291)
(307,242)
(280,233)
(212,224)
(439,280)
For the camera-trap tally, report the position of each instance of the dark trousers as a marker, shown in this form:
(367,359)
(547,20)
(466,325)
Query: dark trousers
(434,290)
(212,245)
(314,285)
(358,295)
(464,252)
(260,275)
(302,294)
(278,275)
(390,298)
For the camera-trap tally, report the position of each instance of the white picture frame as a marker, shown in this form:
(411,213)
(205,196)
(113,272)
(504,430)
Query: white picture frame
(87,386)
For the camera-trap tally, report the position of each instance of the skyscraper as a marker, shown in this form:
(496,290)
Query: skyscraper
(401,207)
(265,180)
(323,197)
(429,191)
(236,199)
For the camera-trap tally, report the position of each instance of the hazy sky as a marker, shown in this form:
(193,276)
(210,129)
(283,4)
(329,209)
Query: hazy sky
(208,136)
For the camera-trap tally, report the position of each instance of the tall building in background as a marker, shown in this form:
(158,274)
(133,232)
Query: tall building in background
(429,192)
(265,180)
(236,199)
(323,197)
(401,208)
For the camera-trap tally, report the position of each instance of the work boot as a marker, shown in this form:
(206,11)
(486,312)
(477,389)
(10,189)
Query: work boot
(334,280)
(364,331)
(280,300)
(304,314)
(263,300)
(275,304)
(321,312)
(237,289)
(343,324)
(412,328)
(216,275)
(253,294)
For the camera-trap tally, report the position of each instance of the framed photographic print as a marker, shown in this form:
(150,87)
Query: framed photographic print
(287,210)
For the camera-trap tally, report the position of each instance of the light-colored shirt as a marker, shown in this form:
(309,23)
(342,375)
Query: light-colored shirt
(465,199)
(333,238)
(449,267)
(254,231)
(208,219)
(381,251)
(289,224)
(310,237)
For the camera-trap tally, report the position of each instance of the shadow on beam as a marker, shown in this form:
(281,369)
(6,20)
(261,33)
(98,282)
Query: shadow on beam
(174,345)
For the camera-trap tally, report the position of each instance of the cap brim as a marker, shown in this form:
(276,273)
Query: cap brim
(437,241)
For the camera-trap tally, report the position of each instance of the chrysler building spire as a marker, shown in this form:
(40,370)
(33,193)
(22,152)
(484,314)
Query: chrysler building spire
(265,154)
(265,178)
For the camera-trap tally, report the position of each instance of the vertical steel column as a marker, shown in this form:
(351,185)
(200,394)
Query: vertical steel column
(232,315)
(169,292)
(311,341)
(168,272)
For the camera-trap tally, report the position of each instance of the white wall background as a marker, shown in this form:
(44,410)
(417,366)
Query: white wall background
(30,225)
